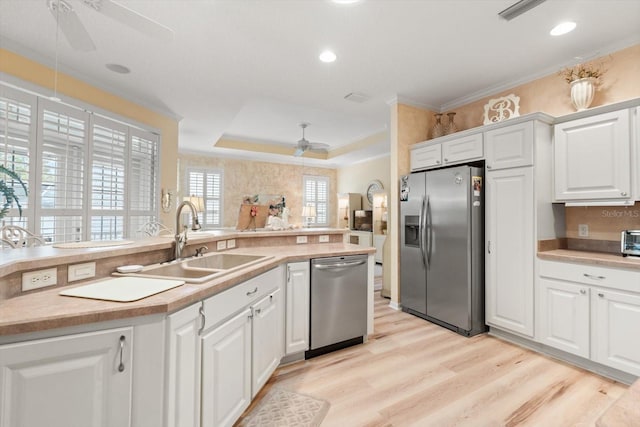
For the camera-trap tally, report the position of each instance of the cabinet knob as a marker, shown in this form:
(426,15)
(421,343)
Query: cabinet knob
(437,162)
(582,291)
(488,166)
(600,294)
(446,160)
(623,194)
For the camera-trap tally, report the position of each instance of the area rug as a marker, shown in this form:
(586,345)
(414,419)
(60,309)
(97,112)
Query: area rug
(285,408)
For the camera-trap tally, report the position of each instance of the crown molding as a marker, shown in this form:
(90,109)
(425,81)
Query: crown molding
(405,100)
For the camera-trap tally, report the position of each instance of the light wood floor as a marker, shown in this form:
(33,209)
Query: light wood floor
(414,373)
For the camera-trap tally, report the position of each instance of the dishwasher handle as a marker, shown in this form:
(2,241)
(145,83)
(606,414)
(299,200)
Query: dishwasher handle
(338,265)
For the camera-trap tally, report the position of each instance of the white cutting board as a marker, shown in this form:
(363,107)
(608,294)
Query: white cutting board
(123,289)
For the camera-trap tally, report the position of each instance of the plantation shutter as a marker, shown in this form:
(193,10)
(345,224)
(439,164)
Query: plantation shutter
(316,194)
(108,183)
(207,183)
(17,130)
(143,182)
(63,148)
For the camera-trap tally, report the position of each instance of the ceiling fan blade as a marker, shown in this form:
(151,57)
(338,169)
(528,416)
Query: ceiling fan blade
(132,19)
(70,25)
(318,147)
(299,152)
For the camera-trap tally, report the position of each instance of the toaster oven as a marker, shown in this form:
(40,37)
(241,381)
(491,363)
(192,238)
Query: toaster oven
(630,242)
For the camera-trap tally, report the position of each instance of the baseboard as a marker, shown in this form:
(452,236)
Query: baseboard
(581,362)
(394,305)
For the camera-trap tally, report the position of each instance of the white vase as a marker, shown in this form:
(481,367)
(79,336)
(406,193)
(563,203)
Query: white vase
(582,92)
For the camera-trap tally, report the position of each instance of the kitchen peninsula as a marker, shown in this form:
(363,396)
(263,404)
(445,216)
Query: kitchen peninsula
(143,355)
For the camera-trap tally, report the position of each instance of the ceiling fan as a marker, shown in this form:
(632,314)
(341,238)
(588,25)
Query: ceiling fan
(304,145)
(77,35)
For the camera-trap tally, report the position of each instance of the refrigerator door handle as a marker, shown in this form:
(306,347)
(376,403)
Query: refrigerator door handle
(421,225)
(429,231)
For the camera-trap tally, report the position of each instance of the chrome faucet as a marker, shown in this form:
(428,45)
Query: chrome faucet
(181,236)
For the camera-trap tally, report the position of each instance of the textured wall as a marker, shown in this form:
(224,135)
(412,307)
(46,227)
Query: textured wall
(605,222)
(242,177)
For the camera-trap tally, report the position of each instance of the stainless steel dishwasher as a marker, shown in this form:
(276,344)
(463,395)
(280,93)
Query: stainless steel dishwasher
(338,303)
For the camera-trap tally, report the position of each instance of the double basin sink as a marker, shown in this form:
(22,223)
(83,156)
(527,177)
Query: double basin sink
(200,269)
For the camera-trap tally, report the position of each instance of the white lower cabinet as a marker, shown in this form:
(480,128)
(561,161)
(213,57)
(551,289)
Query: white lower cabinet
(509,256)
(182,408)
(564,316)
(72,380)
(297,308)
(267,339)
(581,312)
(616,319)
(226,371)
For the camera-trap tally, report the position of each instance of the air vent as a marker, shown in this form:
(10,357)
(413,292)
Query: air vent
(519,8)
(357,97)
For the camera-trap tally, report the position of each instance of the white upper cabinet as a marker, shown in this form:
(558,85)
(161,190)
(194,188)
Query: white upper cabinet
(426,157)
(510,147)
(466,148)
(447,152)
(592,158)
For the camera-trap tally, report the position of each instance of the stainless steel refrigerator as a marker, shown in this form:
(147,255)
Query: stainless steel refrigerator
(442,247)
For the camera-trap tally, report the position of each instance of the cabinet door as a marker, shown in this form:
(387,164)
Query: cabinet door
(461,149)
(616,317)
(426,157)
(510,147)
(183,368)
(226,371)
(592,158)
(67,381)
(297,308)
(564,316)
(268,334)
(378,243)
(510,250)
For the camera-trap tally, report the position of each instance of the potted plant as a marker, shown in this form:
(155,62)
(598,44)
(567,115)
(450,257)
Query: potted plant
(583,79)
(8,192)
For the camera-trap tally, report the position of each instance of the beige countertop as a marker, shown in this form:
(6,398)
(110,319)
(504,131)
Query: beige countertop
(591,258)
(47,310)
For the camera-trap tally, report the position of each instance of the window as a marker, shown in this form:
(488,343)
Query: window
(207,183)
(316,194)
(97,177)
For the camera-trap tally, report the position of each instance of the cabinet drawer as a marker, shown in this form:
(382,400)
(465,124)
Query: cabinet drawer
(425,157)
(462,149)
(225,304)
(627,280)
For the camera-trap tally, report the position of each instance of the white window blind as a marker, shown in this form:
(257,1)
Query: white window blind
(89,177)
(207,183)
(316,194)
(17,129)
(63,149)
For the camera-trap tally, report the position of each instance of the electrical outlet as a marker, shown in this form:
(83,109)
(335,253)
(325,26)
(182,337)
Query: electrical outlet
(301,239)
(324,238)
(231,243)
(221,244)
(39,279)
(81,271)
(583,230)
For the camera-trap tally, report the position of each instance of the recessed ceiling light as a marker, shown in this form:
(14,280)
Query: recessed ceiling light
(327,56)
(117,68)
(345,1)
(563,28)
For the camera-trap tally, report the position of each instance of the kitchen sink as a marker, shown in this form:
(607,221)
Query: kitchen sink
(223,261)
(200,269)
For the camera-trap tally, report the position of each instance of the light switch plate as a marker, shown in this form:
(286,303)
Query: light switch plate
(81,271)
(231,243)
(39,279)
(221,244)
(301,239)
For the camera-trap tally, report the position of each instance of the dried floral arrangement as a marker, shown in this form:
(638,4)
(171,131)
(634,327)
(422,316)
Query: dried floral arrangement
(582,71)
